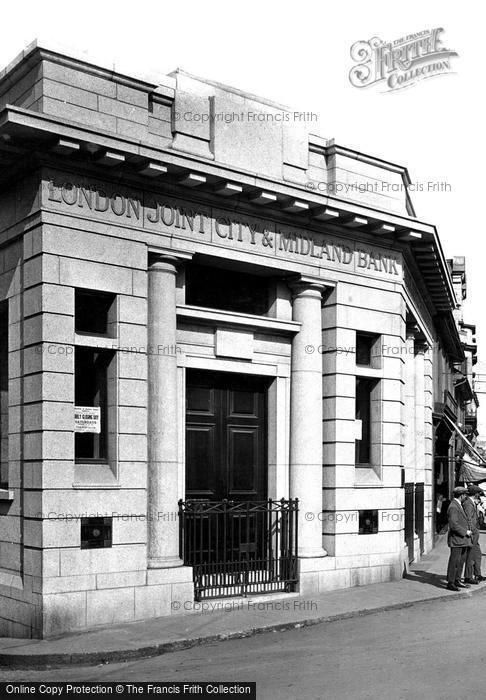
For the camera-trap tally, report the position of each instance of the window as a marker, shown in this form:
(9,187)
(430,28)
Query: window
(91,376)
(96,533)
(363,349)
(368,417)
(214,288)
(368,522)
(94,312)
(4,394)
(367,350)
(363,414)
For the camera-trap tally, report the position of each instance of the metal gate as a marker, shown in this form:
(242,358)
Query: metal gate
(409,519)
(419,514)
(239,548)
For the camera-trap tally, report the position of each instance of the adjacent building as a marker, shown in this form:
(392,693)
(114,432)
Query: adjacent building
(229,357)
(480,388)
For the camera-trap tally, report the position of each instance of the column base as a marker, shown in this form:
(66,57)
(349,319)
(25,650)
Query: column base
(164,563)
(311,571)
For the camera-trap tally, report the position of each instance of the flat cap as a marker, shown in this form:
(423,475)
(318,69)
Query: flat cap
(459,491)
(474,490)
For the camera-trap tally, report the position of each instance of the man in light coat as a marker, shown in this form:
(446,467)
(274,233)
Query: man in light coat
(458,539)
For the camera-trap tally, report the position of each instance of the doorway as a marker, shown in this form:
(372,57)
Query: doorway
(226,453)
(237,540)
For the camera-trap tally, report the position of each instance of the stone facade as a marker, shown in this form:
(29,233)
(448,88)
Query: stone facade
(116,185)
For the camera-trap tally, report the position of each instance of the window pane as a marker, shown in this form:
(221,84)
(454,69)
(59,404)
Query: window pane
(363,413)
(90,389)
(364,345)
(4,394)
(214,288)
(92,311)
(368,522)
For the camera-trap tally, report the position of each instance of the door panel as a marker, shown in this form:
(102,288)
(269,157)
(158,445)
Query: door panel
(225,436)
(200,458)
(243,403)
(243,458)
(200,399)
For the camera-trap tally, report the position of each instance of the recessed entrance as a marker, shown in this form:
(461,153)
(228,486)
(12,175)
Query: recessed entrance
(237,541)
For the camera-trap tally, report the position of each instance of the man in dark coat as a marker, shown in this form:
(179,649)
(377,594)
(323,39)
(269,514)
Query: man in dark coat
(458,539)
(472,572)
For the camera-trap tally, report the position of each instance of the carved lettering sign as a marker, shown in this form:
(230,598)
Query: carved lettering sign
(175,217)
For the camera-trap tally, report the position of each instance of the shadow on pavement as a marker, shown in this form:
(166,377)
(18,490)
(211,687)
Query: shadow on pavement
(437,580)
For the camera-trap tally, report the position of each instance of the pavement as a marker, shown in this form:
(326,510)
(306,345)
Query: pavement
(236,618)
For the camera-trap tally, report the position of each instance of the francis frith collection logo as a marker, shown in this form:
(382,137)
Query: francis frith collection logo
(400,63)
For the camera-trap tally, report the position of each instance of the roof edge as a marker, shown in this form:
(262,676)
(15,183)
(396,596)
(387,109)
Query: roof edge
(49,48)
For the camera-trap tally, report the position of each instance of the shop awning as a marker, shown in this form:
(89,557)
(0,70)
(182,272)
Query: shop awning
(473,467)
(471,472)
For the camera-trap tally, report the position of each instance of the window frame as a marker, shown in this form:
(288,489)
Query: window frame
(4,376)
(103,402)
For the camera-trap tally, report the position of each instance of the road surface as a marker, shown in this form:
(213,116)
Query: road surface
(433,650)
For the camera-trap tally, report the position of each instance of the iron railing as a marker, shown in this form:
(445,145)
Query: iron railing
(409,519)
(239,548)
(419,514)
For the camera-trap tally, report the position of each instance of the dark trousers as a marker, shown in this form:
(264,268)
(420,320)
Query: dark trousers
(473,559)
(457,559)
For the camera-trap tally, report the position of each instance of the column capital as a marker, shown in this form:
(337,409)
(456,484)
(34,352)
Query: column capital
(421,346)
(168,257)
(412,330)
(307,285)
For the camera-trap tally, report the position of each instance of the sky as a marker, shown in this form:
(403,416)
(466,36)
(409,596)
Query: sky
(298,54)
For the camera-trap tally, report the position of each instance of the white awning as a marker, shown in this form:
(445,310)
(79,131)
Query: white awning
(473,467)
(467,444)
(471,472)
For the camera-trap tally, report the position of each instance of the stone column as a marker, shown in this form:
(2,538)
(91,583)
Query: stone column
(420,350)
(306,415)
(429,447)
(409,404)
(421,474)
(409,421)
(162,421)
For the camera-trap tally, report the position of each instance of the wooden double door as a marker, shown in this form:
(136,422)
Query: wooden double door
(226,445)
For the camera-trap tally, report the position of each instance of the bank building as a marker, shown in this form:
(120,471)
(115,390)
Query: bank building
(233,360)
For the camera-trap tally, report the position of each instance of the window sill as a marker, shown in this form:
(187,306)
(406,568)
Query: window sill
(96,487)
(11,579)
(6,495)
(102,342)
(94,475)
(366,477)
(368,372)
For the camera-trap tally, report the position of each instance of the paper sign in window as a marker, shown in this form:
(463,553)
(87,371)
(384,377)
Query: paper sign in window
(87,419)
